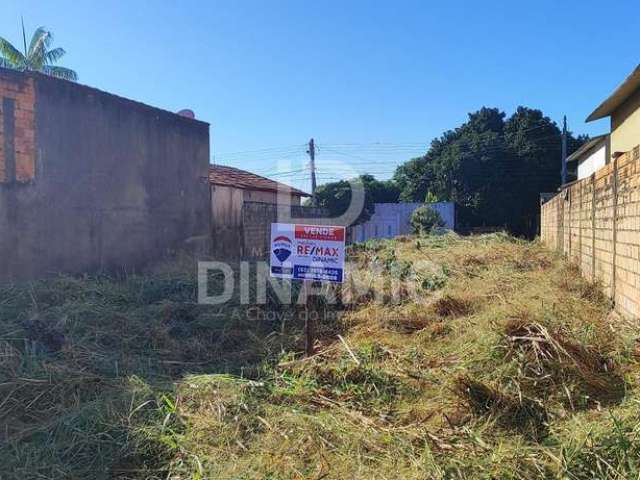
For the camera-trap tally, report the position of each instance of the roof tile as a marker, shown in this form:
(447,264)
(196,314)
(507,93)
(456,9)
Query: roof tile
(234,177)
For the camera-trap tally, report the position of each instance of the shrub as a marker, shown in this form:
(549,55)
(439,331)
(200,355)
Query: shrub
(424,219)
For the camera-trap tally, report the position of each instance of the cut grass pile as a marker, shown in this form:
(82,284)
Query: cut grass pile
(507,364)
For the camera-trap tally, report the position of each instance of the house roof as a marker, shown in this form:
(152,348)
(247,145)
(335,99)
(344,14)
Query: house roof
(234,177)
(587,147)
(618,97)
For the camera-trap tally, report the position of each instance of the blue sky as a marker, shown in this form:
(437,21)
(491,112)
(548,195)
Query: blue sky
(372,81)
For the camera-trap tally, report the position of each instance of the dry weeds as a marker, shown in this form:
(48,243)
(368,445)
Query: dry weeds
(511,367)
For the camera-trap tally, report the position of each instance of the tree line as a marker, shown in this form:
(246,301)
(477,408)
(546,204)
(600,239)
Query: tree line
(492,166)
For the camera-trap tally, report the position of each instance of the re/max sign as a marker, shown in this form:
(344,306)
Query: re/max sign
(307,252)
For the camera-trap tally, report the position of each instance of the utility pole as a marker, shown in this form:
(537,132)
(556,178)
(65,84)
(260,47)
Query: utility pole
(312,156)
(311,305)
(563,173)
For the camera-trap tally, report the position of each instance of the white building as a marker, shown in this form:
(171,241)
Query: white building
(592,156)
(393,219)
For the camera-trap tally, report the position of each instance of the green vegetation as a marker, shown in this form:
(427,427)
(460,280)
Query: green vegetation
(493,167)
(37,56)
(507,364)
(336,196)
(425,219)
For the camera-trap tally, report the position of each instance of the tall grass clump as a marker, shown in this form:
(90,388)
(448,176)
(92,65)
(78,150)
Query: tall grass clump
(493,358)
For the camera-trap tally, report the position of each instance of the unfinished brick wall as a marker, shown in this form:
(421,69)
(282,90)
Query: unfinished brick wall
(17,131)
(118,185)
(595,222)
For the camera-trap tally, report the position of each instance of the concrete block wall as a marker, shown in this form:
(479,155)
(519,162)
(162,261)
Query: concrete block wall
(256,222)
(604,227)
(549,222)
(627,259)
(595,223)
(393,219)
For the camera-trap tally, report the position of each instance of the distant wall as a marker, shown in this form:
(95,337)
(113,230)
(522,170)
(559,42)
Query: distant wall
(593,162)
(393,219)
(90,181)
(595,222)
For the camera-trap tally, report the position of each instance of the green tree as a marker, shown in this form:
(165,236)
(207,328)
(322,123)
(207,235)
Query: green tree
(493,169)
(431,198)
(465,166)
(413,179)
(336,196)
(38,56)
(534,145)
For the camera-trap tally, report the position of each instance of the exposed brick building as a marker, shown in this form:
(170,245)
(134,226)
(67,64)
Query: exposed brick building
(17,146)
(90,181)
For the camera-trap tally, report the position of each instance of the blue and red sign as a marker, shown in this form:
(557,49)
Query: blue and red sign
(307,252)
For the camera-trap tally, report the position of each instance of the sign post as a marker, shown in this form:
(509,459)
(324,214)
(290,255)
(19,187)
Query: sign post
(309,329)
(312,253)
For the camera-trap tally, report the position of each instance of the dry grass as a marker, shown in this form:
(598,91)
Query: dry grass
(583,372)
(454,306)
(519,413)
(506,365)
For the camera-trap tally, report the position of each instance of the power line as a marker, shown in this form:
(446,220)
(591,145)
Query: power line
(363,157)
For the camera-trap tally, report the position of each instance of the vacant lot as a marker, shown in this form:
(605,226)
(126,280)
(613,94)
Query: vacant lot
(509,366)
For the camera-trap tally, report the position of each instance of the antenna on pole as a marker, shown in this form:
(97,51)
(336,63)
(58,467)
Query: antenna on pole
(312,156)
(563,173)
(24,37)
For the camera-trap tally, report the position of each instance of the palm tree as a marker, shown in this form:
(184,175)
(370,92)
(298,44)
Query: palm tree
(39,57)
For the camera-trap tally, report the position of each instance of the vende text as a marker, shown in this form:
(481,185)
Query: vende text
(309,232)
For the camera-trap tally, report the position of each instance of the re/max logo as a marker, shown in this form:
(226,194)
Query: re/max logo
(315,250)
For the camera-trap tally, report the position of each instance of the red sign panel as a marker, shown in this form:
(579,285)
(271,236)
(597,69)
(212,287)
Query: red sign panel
(319,232)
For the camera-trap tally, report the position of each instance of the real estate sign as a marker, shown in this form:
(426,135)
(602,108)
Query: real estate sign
(307,252)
